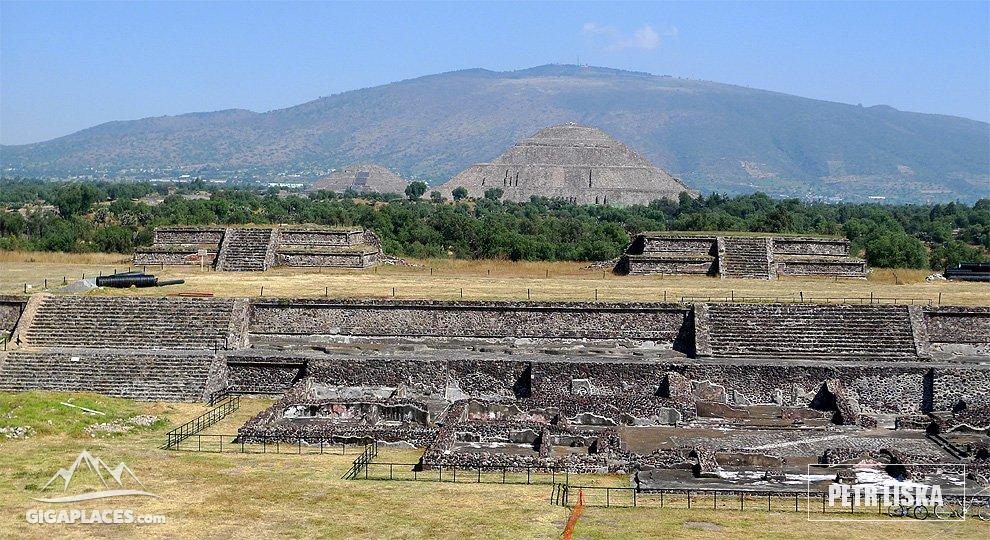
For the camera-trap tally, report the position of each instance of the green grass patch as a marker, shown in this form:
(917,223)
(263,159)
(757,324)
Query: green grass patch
(46,413)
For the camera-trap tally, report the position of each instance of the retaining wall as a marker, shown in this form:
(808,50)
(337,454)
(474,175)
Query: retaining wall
(838,247)
(661,323)
(312,237)
(958,330)
(11,307)
(188,235)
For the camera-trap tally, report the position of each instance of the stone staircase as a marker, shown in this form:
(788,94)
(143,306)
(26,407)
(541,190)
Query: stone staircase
(151,377)
(130,323)
(810,331)
(246,250)
(744,258)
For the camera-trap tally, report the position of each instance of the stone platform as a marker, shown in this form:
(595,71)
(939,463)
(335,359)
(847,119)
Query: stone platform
(729,256)
(257,249)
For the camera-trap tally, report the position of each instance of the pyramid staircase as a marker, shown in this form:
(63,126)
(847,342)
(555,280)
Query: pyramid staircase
(247,250)
(130,323)
(744,258)
(156,376)
(773,331)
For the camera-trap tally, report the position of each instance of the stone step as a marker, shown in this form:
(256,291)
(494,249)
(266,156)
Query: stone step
(245,250)
(806,330)
(130,322)
(135,376)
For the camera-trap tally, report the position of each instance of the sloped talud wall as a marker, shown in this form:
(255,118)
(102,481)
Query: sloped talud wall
(882,388)
(663,323)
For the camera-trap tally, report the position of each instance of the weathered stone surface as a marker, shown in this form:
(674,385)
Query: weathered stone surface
(260,248)
(644,322)
(362,178)
(11,308)
(759,257)
(143,375)
(580,164)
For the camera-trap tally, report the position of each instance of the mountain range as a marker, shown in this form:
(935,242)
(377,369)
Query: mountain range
(714,137)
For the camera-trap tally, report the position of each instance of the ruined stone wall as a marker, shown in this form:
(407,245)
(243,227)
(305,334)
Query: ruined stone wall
(262,378)
(10,311)
(603,378)
(645,264)
(879,388)
(311,237)
(655,322)
(701,245)
(820,267)
(954,330)
(491,378)
(421,377)
(336,260)
(810,246)
(182,235)
(950,386)
(148,257)
(952,324)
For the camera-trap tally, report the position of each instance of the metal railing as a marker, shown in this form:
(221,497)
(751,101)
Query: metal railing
(220,395)
(230,443)
(711,499)
(362,461)
(201,422)
(372,470)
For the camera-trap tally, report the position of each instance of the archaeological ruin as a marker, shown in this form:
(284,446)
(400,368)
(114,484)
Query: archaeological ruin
(580,164)
(731,255)
(695,393)
(361,178)
(258,248)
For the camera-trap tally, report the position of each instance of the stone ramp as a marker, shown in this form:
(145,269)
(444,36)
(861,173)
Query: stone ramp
(744,258)
(125,374)
(805,331)
(246,250)
(135,322)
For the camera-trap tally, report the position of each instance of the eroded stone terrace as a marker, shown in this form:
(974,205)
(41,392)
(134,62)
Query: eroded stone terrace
(732,392)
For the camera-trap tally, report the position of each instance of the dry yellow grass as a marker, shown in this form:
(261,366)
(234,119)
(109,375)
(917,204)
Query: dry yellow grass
(501,280)
(58,257)
(213,495)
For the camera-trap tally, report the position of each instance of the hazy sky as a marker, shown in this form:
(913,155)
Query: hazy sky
(68,66)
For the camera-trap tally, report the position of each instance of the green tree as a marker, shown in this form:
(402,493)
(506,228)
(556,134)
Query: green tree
(436,197)
(114,239)
(494,194)
(75,198)
(459,193)
(954,253)
(415,190)
(896,250)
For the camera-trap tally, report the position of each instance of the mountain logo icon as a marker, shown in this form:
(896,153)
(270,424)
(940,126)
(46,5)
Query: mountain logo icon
(112,480)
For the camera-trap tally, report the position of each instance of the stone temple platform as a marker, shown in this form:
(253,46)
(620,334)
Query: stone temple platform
(734,256)
(257,249)
(708,393)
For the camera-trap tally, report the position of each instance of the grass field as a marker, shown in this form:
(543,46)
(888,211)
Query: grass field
(227,495)
(482,280)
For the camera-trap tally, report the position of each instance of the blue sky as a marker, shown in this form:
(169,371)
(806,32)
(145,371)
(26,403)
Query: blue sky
(68,66)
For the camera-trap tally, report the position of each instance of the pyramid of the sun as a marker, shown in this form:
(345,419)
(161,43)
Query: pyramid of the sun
(583,165)
(365,177)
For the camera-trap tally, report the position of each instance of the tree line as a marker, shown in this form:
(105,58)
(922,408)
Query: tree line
(116,217)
